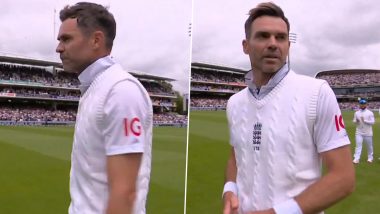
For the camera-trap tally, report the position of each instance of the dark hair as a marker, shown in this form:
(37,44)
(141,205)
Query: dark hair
(91,17)
(264,9)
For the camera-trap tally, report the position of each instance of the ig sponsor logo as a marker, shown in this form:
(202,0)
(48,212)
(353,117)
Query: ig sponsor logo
(132,126)
(339,122)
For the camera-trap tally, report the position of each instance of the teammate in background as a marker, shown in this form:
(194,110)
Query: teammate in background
(364,119)
(282,127)
(111,155)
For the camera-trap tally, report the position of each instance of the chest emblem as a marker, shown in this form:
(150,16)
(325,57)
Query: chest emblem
(256,136)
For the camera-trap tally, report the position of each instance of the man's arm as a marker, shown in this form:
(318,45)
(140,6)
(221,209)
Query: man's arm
(231,169)
(355,120)
(230,200)
(370,121)
(122,171)
(336,184)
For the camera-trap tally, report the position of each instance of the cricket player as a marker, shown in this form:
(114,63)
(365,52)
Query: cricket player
(364,119)
(283,127)
(111,154)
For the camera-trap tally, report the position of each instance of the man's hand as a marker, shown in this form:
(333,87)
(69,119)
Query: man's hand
(231,203)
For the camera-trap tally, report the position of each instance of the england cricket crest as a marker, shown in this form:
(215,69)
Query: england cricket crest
(256,136)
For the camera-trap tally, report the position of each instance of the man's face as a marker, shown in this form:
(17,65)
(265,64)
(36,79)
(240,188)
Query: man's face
(74,47)
(363,106)
(268,44)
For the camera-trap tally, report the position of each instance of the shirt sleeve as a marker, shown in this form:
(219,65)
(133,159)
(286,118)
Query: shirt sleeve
(329,130)
(126,111)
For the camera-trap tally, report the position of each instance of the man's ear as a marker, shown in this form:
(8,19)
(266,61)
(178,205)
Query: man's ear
(245,46)
(98,39)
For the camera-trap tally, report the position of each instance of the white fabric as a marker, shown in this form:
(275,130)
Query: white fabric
(364,119)
(329,128)
(277,139)
(89,74)
(359,145)
(288,207)
(124,103)
(230,187)
(105,111)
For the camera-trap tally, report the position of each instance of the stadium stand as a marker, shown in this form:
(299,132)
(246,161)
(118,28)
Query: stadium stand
(37,92)
(212,85)
(351,84)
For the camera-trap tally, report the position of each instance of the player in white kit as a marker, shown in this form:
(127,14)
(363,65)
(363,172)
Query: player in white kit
(283,126)
(364,119)
(111,154)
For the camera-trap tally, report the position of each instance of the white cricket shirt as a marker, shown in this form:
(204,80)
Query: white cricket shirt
(364,119)
(114,117)
(277,139)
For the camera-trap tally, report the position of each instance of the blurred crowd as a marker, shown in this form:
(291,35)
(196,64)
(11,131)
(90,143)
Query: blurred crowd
(169,118)
(218,77)
(351,79)
(157,101)
(28,81)
(208,102)
(216,88)
(157,88)
(42,93)
(374,105)
(36,75)
(39,114)
(35,114)
(28,74)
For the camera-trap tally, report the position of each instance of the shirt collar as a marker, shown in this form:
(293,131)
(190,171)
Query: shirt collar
(89,74)
(259,93)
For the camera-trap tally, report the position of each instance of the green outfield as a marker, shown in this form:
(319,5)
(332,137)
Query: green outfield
(209,150)
(35,165)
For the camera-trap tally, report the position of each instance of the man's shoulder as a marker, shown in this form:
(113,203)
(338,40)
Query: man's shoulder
(117,68)
(236,97)
(307,85)
(122,82)
(120,74)
(304,79)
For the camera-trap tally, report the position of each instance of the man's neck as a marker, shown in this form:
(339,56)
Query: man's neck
(93,59)
(261,78)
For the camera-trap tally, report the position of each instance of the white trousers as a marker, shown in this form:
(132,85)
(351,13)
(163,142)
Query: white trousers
(359,144)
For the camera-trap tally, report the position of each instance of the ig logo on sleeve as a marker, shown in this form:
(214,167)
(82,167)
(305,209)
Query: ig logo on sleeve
(339,122)
(132,126)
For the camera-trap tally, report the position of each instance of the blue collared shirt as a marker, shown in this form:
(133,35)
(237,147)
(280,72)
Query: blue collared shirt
(89,74)
(260,93)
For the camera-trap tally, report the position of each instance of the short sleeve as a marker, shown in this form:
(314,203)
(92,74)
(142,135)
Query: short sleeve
(329,129)
(126,111)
